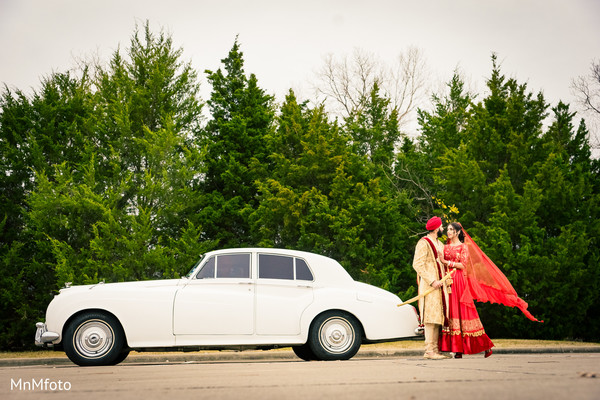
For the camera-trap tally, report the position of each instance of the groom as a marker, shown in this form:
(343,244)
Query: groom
(428,265)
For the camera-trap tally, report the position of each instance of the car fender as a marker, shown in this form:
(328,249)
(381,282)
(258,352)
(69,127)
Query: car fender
(145,315)
(375,309)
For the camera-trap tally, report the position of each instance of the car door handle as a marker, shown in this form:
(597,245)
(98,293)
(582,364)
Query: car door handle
(245,283)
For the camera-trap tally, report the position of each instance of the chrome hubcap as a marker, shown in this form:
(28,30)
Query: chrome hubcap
(93,338)
(336,335)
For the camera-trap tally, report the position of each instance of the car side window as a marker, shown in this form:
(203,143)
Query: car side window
(208,270)
(226,266)
(233,266)
(282,267)
(302,271)
(275,267)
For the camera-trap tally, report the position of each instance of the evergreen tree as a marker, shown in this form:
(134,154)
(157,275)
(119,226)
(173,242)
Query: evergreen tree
(136,193)
(149,91)
(108,170)
(35,133)
(235,153)
(374,130)
(443,134)
(445,127)
(323,197)
(506,128)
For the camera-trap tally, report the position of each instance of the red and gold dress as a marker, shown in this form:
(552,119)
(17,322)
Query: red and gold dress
(463,331)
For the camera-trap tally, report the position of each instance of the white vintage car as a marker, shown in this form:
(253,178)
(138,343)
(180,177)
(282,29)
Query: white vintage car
(256,298)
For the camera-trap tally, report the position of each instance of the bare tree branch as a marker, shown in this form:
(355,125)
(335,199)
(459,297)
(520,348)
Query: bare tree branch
(346,83)
(587,89)
(587,92)
(414,184)
(407,81)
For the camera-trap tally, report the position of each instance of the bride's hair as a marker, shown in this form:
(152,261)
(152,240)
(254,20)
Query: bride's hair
(459,231)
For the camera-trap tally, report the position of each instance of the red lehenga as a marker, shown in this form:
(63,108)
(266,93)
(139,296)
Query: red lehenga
(463,331)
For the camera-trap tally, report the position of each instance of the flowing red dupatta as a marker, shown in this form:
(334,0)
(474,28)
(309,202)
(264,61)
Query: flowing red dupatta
(485,282)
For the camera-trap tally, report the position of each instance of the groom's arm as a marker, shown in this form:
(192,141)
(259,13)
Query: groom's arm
(420,263)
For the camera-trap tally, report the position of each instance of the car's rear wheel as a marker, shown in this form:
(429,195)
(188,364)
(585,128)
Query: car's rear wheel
(304,352)
(335,335)
(94,338)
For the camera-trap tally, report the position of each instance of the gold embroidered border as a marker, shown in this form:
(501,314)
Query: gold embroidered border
(447,331)
(471,327)
(468,325)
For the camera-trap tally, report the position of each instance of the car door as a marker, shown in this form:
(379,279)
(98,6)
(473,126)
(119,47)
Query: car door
(219,300)
(284,289)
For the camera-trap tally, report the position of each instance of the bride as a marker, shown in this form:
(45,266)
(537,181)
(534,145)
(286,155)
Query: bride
(463,332)
(476,278)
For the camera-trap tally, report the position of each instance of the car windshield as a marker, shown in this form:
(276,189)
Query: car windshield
(189,274)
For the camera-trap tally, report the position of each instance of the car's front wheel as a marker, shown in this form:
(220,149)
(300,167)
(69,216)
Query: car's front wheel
(94,338)
(122,356)
(335,335)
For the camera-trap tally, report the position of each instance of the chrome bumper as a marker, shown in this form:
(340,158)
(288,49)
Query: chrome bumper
(44,338)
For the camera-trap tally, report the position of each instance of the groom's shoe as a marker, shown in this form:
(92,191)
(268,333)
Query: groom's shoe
(433,356)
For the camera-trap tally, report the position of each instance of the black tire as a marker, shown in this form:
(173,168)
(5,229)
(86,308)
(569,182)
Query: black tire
(93,339)
(121,357)
(304,352)
(335,335)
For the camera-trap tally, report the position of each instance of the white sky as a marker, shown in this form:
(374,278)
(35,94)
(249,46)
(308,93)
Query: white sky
(545,43)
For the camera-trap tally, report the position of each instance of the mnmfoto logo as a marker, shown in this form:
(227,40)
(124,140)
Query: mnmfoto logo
(41,384)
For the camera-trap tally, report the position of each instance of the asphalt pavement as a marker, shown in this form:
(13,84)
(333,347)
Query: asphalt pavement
(500,377)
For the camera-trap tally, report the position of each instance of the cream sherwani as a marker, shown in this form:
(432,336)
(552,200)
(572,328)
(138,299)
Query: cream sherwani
(430,306)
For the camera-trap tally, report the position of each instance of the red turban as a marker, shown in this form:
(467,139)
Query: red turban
(433,223)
